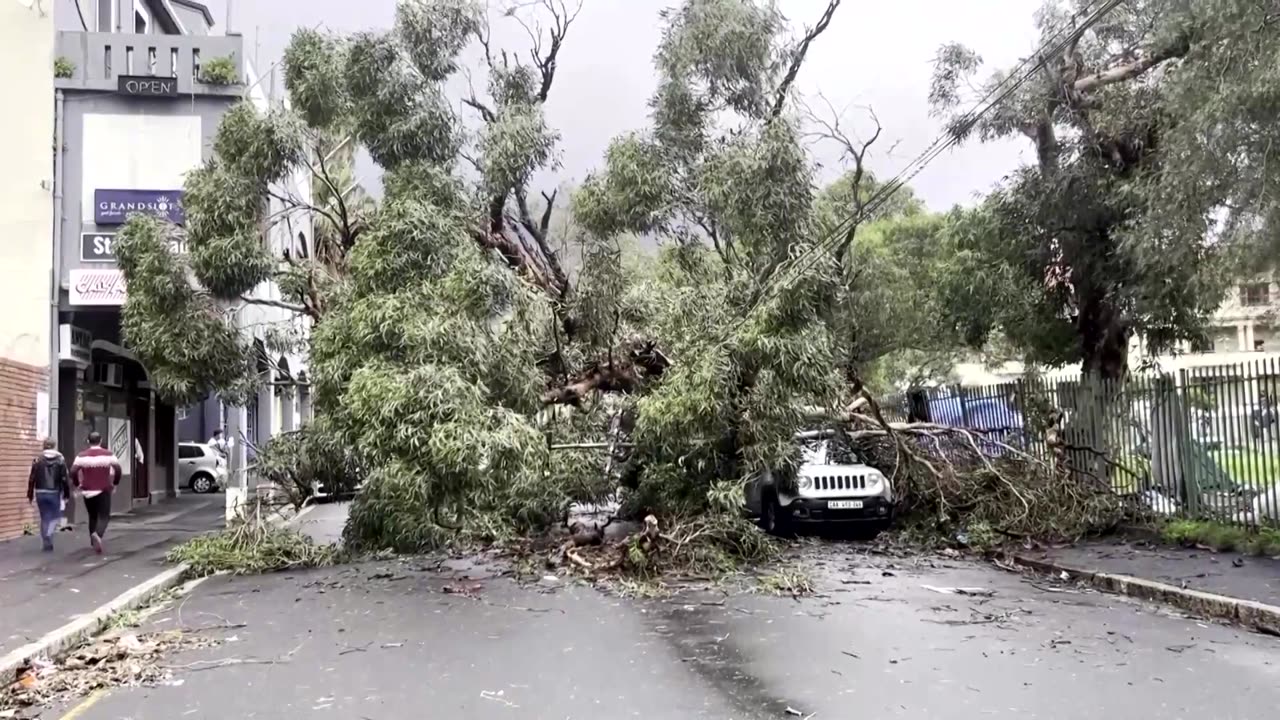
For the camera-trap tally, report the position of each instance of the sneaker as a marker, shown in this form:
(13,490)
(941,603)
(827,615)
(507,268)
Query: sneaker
(96,542)
(48,547)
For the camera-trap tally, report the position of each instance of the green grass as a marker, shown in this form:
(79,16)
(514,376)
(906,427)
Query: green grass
(1250,467)
(1223,538)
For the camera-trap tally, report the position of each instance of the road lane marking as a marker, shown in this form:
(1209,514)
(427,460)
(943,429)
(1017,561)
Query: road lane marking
(85,704)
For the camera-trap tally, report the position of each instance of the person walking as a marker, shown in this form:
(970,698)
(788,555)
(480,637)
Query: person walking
(219,443)
(49,488)
(97,472)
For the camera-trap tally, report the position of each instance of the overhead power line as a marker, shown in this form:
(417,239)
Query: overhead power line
(1068,32)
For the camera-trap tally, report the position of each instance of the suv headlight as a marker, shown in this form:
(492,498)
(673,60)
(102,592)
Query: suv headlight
(805,483)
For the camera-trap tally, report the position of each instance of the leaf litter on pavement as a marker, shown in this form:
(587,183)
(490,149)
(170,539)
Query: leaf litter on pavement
(120,659)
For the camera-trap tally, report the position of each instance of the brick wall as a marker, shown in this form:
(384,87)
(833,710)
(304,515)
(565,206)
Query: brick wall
(19,443)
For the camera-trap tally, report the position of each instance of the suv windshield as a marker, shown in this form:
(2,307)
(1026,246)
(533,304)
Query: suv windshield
(840,453)
(813,452)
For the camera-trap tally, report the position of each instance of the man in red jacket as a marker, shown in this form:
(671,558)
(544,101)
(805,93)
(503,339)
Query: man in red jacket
(96,472)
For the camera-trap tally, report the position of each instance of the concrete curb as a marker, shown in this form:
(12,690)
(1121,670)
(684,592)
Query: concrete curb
(58,642)
(71,635)
(1251,614)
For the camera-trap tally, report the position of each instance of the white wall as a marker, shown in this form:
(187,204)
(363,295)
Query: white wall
(26,199)
(253,319)
(143,152)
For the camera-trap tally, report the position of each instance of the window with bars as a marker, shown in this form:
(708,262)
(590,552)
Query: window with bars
(1255,294)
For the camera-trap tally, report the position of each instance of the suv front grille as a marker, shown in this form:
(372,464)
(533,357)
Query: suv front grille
(840,482)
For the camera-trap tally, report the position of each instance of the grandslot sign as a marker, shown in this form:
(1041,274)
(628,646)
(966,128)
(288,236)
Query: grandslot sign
(114,206)
(97,288)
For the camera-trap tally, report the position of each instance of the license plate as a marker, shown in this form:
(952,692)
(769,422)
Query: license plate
(844,504)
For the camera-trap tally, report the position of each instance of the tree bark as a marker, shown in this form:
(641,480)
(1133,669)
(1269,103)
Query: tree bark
(1104,340)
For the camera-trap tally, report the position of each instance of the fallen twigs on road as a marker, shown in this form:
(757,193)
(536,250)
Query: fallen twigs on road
(252,546)
(708,545)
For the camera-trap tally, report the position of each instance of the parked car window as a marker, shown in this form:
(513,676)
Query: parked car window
(189,451)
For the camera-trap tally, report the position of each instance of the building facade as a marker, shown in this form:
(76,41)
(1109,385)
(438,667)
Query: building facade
(1243,329)
(283,401)
(135,113)
(26,225)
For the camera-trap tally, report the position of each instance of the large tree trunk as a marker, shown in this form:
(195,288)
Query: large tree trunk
(1104,340)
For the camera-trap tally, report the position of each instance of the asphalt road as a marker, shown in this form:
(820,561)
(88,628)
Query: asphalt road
(411,639)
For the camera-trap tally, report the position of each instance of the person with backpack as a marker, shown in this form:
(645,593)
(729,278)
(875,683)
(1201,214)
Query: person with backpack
(96,471)
(48,486)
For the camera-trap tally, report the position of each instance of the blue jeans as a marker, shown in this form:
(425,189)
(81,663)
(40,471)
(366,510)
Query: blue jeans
(50,504)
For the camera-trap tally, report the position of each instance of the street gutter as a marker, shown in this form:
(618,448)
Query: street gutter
(1254,615)
(53,645)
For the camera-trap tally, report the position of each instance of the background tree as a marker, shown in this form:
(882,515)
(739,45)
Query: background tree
(1147,119)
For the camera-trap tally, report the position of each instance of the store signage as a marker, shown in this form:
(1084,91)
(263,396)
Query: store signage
(148,86)
(113,206)
(74,344)
(100,247)
(97,287)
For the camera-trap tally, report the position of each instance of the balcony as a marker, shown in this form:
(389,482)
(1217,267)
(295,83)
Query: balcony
(100,59)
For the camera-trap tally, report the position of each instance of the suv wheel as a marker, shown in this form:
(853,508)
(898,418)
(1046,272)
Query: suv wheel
(202,484)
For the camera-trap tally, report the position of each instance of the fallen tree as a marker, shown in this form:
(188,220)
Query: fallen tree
(451,349)
(952,480)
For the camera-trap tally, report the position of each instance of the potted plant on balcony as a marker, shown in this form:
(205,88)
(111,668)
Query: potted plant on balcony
(63,68)
(220,71)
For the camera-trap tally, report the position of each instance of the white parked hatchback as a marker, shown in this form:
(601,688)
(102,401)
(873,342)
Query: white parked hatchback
(201,468)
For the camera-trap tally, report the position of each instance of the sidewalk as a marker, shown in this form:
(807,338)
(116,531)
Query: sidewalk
(1230,574)
(40,592)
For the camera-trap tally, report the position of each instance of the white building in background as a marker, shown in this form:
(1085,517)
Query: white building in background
(26,231)
(1244,329)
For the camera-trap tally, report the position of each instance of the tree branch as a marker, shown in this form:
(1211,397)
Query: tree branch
(855,151)
(280,304)
(545,222)
(562,18)
(485,111)
(540,237)
(1131,70)
(343,213)
(798,56)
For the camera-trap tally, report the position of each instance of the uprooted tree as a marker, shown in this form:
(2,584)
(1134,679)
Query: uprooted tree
(1151,122)
(451,351)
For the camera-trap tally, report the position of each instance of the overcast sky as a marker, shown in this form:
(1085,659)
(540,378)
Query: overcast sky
(874,53)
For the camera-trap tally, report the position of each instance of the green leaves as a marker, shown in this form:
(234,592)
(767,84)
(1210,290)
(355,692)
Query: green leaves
(314,63)
(760,189)
(728,48)
(181,337)
(1150,131)
(631,196)
(264,147)
(517,143)
(401,115)
(433,32)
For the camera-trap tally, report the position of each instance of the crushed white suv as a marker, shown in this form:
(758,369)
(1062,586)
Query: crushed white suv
(830,486)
